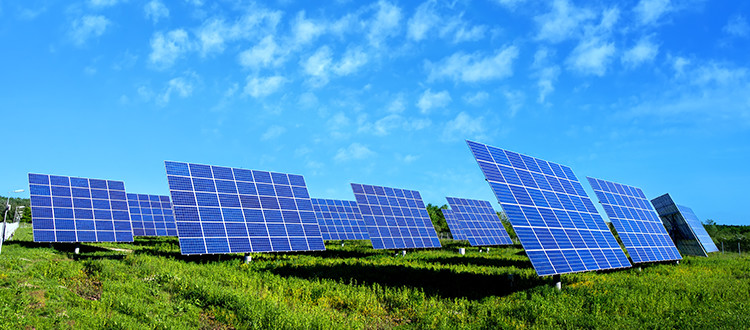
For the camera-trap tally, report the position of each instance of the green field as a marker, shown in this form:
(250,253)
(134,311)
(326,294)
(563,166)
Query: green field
(148,284)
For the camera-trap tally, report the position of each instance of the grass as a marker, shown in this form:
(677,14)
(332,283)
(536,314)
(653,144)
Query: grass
(148,284)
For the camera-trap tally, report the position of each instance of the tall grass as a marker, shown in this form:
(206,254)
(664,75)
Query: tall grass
(150,285)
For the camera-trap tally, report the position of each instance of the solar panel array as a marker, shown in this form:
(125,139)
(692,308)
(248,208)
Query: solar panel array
(684,227)
(479,222)
(71,209)
(231,210)
(395,218)
(151,215)
(453,224)
(636,221)
(339,219)
(557,223)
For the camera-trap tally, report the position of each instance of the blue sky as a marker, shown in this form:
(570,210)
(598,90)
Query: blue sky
(650,93)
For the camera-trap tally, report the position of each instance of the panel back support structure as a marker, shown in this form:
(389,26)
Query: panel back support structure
(684,227)
(453,225)
(479,222)
(339,219)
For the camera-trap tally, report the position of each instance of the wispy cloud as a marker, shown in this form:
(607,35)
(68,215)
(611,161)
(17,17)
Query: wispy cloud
(463,126)
(354,151)
(102,3)
(306,31)
(545,73)
(317,66)
(737,27)
(259,87)
(595,50)
(167,48)
(430,100)
(644,51)
(182,86)
(476,98)
(449,25)
(155,11)
(264,54)
(384,24)
(425,18)
(89,26)
(515,100)
(273,132)
(562,22)
(474,67)
(353,59)
(649,11)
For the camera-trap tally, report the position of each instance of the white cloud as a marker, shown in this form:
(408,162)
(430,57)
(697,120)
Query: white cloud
(679,64)
(258,87)
(510,4)
(352,152)
(265,54)
(86,27)
(353,60)
(273,132)
(463,126)
(306,31)
(397,105)
(737,26)
(215,32)
(167,48)
(430,100)
(424,19)
(644,51)
(649,11)
(477,98)
(474,67)
(562,22)
(515,100)
(458,31)
(318,66)
(385,24)
(181,86)
(718,74)
(545,73)
(155,10)
(591,56)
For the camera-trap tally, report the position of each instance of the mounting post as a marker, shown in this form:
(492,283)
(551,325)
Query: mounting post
(342,244)
(676,262)
(403,253)
(77,249)
(640,269)
(462,251)
(248,258)
(488,249)
(722,247)
(558,282)
(738,248)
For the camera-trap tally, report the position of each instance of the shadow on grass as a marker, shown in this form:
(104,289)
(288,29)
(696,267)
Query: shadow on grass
(443,283)
(478,261)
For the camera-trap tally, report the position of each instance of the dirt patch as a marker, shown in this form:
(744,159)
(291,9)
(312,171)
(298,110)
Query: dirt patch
(208,321)
(37,299)
(86,287)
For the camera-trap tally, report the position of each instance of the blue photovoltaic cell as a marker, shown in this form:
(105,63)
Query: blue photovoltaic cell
(151,215)
(70,209)
(636,221)
(231,210)
(698,229)
(453,224)
(479,222)
(339,219)
(395,218)
(556,222)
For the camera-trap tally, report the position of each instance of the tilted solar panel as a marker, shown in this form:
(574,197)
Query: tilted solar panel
(636,222)
(555,220)
(684,227)
(453,224)
(479,222)
(231,210)
(395,218)
(339,219)
(151,215)
(71,209)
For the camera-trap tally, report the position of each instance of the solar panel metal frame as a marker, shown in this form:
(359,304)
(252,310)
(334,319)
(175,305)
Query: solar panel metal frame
(636,221)
(453,224)
(339,219)
(553,217)
(75,209)
(151,215)
(479,222)
(395,218)
(684,227)
(231,210)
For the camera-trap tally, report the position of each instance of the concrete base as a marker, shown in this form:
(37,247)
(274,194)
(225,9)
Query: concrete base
(248,258)
(462,251)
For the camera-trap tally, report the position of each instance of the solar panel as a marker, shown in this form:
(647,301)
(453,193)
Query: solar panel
(70,209)
(684,227)
(557,223)
(339,219)
(151,215)
(479,222)
(636,221)
(453,224)
(231,210)
(395,218)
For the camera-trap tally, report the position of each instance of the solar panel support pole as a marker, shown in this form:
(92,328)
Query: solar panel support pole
(722,247)
(248,258)
(77,248)
(342,244)
(558,282)
(462,251)
(403,253)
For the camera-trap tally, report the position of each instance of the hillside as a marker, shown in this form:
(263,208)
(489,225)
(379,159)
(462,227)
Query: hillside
(148,284)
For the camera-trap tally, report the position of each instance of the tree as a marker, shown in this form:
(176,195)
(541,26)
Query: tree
(438,220)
